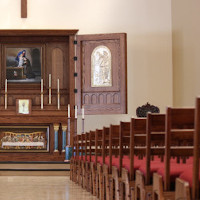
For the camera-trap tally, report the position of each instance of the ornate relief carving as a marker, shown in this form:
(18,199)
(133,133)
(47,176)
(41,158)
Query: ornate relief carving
(143,110)
(101,70)
(99,98)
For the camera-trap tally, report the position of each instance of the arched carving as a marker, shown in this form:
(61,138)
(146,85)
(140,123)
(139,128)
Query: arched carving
(101,69)
(108,98)
(101,99)
(116,98)
(94,99)
(86,99)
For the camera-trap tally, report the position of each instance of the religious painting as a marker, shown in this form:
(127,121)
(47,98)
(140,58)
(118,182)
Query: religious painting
(101,70)
(24,138)
(23,64)
(23,106)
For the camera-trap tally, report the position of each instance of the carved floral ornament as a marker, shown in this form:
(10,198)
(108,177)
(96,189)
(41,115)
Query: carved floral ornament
(143,110)
(101,69)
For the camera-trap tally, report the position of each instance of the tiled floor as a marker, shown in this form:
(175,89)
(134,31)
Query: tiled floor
(41,188)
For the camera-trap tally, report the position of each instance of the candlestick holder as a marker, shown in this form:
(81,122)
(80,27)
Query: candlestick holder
(75,126)
(42,101)
(68,131)
(68,150)
(83,125)
(49,95)
(6,100)
(58,100)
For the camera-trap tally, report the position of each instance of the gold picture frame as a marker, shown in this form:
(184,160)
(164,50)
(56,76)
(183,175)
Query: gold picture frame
(23,106)
(24,139)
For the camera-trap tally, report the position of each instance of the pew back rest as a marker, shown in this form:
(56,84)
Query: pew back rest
(179,137)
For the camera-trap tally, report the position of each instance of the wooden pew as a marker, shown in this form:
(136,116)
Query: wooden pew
(107,167)
(154,148)
(132,137)
(187,185)
(98,159)
(78,160)
(100,184)
(179,145)
(90,165)
(86,155)
(73,160)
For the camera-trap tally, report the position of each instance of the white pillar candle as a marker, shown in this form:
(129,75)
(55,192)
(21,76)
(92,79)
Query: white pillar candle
(83,114)
(6,86)
(68,110)
(75,112)
(41,85)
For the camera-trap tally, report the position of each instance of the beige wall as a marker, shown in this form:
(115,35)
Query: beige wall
(148,27)
(186,51)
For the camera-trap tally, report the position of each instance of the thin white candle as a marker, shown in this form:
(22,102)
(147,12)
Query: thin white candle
(68,110)
(6,86)
(83,114)
(75,112)
(41,85)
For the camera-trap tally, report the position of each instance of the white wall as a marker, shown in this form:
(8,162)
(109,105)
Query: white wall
(148,27)
(186,51)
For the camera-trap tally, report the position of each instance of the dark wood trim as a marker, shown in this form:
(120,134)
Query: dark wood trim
(37,32)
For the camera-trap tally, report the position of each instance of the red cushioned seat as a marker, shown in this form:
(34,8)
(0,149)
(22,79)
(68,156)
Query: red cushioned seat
(115,160)
(175,170)
(137,164)
(188,175)
(100,160)
(189,160)
(154,167)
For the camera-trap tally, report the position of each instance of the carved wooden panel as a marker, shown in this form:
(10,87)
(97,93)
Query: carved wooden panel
(57,67)
(102,73)
(57,64)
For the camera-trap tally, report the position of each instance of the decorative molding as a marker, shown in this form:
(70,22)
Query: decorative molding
(64,127)
(56,127)
(143,110)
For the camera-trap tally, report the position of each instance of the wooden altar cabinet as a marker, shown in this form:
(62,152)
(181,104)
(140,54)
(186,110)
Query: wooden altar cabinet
(50,53)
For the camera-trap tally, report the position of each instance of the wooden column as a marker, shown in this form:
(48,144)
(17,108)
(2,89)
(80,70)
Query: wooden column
(23,8)
(72,86)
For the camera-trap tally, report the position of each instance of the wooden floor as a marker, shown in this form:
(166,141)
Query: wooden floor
(41,188)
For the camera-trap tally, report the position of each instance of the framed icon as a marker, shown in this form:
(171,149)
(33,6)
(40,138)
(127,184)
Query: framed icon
(23,63)
(23,106)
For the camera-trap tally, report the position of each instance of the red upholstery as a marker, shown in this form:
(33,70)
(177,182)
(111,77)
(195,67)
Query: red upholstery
(175,170)
(188,175)
(154,166)
(137,163)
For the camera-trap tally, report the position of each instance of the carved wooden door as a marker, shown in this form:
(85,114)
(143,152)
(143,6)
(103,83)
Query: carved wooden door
(102,73)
